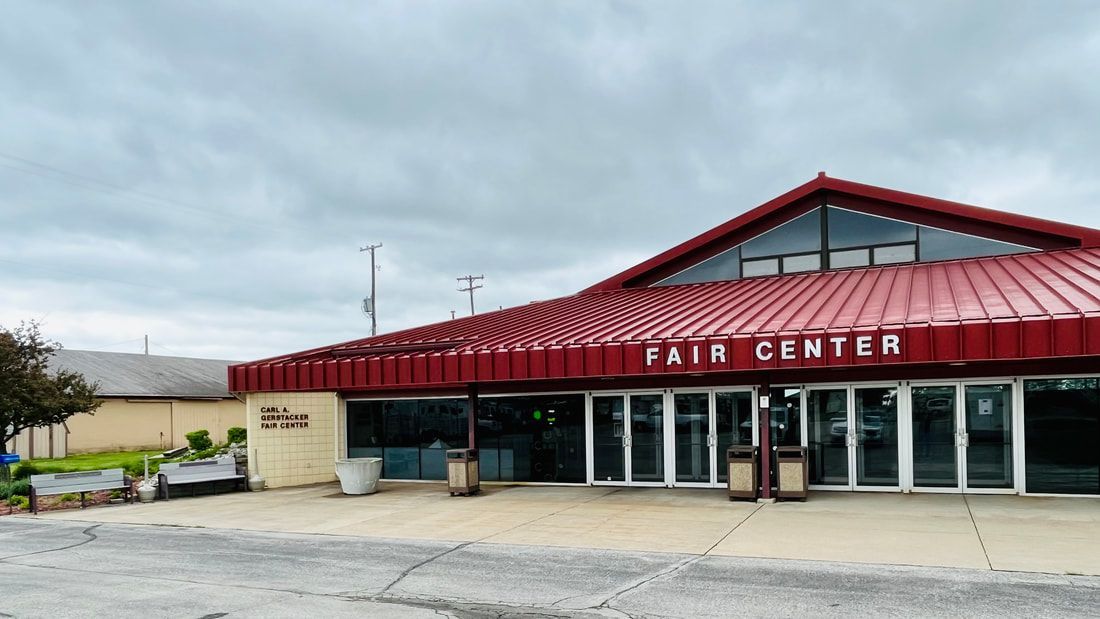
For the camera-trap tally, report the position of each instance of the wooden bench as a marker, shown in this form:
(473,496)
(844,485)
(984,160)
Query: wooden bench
(79,481)
(197,472)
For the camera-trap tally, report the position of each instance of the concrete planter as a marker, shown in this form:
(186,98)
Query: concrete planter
(256,483)
(146,494)
(359,475)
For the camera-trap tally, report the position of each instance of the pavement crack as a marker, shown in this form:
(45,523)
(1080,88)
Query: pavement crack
(679,565)
(413,568)
(91,537)
(977,532)
(735,527)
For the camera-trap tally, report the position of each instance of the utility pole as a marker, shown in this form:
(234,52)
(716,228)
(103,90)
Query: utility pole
(470,287)
(146,345)
(369,306)
(452,314)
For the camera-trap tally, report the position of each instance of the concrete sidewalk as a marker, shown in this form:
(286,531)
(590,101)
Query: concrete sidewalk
(1053,535)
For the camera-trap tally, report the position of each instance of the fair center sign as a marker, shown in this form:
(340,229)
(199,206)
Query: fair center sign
(835,347)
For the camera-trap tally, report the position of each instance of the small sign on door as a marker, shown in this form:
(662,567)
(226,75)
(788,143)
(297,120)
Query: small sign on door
(985,406)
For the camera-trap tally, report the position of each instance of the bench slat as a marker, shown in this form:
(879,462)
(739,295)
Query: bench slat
(78,478)
(89,487)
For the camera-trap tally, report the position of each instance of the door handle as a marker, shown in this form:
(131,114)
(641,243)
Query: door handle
(626,441)
(853,440)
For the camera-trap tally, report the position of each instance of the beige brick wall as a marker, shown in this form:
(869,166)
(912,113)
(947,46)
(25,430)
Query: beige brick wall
(293,456)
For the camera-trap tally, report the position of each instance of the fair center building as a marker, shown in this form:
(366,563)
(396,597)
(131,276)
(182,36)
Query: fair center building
(911,344)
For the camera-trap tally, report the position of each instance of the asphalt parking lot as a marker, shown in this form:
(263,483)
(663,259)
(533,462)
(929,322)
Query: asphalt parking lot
(70,569)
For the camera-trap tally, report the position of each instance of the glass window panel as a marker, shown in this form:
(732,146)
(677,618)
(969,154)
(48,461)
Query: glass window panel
(411,436)
(733,416)
(724,266)
(401,456)
(442,427)
(364,428)
(936,244)
(798,264)
(534,438)
(827,433)
(786,416)
(897,253)
(753,268)
(692,431)
(1062,435)
(802,234)
(851,229)
(849,258)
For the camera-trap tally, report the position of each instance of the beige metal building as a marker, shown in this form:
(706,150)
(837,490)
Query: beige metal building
(149,402)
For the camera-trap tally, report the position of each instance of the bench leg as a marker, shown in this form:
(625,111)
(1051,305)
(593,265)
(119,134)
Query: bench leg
(34,501)
(82,503)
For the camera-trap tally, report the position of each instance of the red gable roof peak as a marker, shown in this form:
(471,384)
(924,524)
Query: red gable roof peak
(924,210)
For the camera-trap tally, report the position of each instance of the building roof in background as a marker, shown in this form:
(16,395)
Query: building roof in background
(137,375)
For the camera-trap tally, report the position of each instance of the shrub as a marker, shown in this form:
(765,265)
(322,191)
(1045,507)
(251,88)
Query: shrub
(69,496)
(237,434)
(24,470)
(18,487)
(21,502)
(202,455)
(199,440)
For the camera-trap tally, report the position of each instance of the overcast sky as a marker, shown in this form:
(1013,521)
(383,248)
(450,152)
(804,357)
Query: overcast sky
(206,173)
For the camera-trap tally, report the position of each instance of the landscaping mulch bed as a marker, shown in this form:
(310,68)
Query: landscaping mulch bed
(55,502)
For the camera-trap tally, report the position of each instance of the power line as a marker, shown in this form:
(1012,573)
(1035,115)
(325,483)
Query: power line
(53,173)
(470,287)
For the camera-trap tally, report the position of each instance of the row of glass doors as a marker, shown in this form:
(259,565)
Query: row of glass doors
(659,439)
(950,436)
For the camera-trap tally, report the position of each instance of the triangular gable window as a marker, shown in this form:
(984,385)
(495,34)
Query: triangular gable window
(846,239)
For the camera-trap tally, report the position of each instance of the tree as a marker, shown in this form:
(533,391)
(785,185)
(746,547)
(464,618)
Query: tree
(31,396)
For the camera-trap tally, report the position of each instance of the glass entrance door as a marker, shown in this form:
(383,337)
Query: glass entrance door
(987,438)
(935,436)
(852,437)
(647,438)
(628,439)
(962,437)
(610,439)
(694,438)
(827,437)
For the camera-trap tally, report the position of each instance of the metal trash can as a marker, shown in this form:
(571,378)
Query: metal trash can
(741,471)
(791,473)
(462,473)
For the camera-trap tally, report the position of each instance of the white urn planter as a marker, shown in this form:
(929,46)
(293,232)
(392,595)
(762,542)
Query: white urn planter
(256,483)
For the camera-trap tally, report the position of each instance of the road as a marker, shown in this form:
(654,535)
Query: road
(72,569)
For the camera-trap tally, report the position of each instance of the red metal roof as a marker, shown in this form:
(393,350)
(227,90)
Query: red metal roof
(918,209)
(1034,305)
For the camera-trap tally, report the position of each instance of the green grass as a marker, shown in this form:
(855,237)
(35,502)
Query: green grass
(132,461)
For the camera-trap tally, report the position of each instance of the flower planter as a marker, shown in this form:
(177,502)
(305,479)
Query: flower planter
(146,494)
(256,483)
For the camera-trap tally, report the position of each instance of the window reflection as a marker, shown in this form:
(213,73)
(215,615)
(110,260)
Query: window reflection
(411,436)
(1062,435)
(532,438)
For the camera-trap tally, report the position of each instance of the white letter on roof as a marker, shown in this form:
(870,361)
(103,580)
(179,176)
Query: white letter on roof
(673,356)
(837,342)
(863,346)
(760,351)
(717,353)
(812,348)
(891,345)
(651,355)
(786,349)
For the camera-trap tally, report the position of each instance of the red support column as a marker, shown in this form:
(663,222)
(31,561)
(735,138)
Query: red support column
(471,416)
(765,442)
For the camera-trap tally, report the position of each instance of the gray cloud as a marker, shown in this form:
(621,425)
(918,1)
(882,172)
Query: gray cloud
(232,158)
